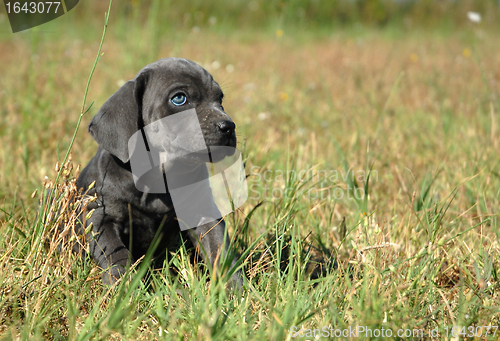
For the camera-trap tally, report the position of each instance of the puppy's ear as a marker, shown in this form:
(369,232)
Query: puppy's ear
(120,117)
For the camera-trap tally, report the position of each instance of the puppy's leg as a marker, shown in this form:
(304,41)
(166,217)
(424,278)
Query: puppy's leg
(209,239)
(107,248)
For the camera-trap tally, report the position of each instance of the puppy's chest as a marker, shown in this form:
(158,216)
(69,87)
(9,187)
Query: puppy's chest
(144,226)
(150,210)
(145,221)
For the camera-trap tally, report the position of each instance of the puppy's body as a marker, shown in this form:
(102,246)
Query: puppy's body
(122,212)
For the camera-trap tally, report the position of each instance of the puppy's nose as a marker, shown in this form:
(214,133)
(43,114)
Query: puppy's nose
(226,126)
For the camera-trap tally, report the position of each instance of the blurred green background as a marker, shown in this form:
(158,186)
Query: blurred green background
(294,14)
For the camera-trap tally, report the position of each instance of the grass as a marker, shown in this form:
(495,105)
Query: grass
(374,181)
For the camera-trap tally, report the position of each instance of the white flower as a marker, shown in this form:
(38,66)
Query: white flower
(215,65)
(474,17)
(262,116)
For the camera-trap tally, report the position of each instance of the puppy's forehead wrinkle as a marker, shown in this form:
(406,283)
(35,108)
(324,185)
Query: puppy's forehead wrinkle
(169,70)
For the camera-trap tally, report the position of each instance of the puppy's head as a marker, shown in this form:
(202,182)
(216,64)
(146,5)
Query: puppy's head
(161,89)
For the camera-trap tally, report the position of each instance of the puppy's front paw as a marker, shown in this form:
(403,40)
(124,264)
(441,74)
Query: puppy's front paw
(236,281)
(113,274)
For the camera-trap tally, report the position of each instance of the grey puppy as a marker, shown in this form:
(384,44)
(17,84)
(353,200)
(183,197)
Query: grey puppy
(163,88)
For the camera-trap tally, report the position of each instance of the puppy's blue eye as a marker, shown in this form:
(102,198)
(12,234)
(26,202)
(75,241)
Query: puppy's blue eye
(179,99)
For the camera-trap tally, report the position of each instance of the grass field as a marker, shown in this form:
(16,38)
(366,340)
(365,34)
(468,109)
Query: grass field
(373,150)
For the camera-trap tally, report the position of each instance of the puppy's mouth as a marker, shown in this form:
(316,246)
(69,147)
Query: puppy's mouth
(212,154)
(218,153)
(219,144)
